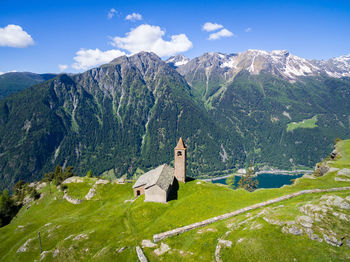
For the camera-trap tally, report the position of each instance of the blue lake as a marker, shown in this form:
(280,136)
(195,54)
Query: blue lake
(267,180)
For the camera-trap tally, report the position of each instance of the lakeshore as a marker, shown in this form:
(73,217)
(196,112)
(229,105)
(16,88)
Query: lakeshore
(266,180)
(271,172)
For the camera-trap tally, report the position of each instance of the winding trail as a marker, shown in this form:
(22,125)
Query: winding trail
(180,230)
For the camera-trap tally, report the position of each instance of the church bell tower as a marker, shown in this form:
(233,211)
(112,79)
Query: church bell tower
(180,161)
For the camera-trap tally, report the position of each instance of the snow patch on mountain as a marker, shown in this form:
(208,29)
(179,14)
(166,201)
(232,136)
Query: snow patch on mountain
(178,60)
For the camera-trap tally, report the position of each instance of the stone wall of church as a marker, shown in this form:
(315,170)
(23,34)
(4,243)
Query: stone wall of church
(140,189)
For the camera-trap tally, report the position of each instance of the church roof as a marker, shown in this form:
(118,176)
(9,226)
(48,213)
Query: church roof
(180,144)
(163,176)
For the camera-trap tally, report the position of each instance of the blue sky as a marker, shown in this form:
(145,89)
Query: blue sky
(38,36)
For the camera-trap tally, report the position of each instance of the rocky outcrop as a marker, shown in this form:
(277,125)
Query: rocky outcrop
(73,179)
(92,191)
(321,169)
(323,213)
(24,247)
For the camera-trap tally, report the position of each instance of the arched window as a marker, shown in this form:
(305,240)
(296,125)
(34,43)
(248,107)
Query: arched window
(179,153)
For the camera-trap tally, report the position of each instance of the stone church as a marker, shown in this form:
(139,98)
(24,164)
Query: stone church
(159,183)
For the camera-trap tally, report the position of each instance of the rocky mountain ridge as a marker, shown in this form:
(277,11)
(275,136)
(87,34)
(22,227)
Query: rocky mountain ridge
(280,63)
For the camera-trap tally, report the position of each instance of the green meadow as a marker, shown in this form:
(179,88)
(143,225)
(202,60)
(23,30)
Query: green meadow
(307,123)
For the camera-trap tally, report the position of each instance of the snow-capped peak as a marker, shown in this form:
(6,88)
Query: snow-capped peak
(277,62)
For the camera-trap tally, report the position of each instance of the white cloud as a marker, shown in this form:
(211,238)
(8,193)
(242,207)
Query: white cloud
(248,29)
(150,38)
(112,13)
(88,58)
(208,26)
(133,17)
(222,33)
(62,67)
(1,73)
(14,36)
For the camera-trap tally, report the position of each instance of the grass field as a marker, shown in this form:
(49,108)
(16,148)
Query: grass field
(96,229)
(306,123)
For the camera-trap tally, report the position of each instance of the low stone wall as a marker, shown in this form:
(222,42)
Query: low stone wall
(140,254)
(180,230)
(72,200)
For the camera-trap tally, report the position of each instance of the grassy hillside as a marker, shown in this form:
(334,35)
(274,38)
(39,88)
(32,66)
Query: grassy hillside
(100,228)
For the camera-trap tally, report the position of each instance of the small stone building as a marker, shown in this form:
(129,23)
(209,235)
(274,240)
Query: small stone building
(155,184)
(159,183)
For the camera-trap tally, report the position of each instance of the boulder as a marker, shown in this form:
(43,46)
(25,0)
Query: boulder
(102,181)
(119,250)
(339,179)
(240,240)
(305,221)
(334,154)
(80,237)
(312,236)
(332,200)
(332,240)
(294,230)
(148,243)
(225,243)
(333,169)
(55,253)
(344,172)
(162,249)
(43,254)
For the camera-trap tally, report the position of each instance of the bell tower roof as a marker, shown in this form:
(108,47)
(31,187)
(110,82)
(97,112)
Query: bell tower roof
(180,144)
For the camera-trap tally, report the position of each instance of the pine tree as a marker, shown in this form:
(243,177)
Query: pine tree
(248,181)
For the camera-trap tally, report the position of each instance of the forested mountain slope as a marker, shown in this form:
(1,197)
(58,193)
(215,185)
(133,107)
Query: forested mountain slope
(120,116)
(16,81)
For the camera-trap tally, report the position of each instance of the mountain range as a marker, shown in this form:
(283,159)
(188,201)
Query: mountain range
(262,108)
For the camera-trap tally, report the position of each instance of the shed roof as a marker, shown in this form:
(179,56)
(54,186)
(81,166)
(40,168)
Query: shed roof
(163,176)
